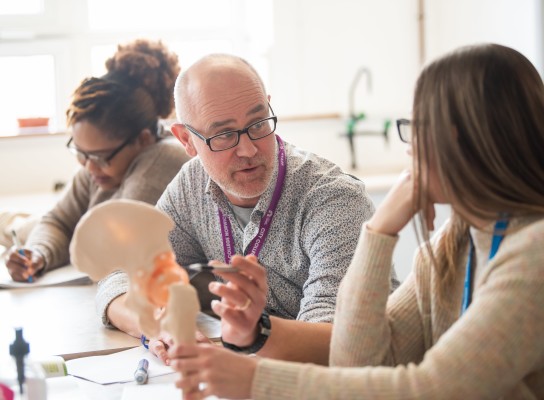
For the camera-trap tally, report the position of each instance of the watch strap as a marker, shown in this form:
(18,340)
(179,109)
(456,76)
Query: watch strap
(264,332)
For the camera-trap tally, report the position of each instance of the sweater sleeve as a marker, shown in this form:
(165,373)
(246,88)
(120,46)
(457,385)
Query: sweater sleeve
(109,288)
(150,173)
(51,236)
(372,329)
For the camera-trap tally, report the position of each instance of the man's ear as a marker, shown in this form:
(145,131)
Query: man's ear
(182,134)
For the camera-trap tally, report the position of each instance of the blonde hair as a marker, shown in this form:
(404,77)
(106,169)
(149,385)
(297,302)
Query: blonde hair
(479,120)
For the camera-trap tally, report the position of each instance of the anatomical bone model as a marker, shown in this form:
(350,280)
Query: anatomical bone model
(132,236)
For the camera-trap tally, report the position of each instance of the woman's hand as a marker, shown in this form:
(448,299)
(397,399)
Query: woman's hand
(243,299)
(397,209)
(21,267)
(221,372)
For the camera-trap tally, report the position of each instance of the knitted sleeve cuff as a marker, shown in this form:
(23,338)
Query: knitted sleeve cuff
(109,288)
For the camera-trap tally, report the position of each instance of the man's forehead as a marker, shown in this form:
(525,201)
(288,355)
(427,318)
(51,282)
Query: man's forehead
(217,113)
(222,99)
(218,122)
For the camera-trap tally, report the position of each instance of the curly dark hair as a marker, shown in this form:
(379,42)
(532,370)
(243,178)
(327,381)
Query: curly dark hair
(135,92)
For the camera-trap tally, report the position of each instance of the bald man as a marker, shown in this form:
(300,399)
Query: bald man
(287,219)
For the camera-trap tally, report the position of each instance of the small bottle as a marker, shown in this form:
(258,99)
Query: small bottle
(35,384)
(30,383)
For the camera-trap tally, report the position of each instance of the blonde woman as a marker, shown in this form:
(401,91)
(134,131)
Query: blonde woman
(468,322)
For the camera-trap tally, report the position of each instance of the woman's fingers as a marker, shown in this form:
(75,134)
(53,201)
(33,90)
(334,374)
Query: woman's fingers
(36,262)
(17,266)
(396,209)
(211,370)
(21,266)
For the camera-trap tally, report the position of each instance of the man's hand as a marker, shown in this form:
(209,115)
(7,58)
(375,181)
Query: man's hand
(243,299)
(159,346)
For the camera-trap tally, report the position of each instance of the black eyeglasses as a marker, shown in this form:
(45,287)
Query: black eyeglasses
(101,161)
(404,126)
(228,140)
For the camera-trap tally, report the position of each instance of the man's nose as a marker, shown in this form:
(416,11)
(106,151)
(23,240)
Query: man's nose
(246,147)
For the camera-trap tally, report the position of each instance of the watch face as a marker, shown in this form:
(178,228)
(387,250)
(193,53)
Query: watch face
(264,324)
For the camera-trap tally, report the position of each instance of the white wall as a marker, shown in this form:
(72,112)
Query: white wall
(318,47)
(320,44)
(34,164)
(514,23)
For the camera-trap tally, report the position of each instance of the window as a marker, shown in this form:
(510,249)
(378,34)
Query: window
(21,7)
(181,14)
(48,46)
(30,82)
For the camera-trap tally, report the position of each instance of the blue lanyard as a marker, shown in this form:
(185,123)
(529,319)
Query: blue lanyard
(498,236)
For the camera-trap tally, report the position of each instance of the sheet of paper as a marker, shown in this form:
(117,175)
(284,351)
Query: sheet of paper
(117,367)
(67,275)
(65,388)
(209,326)
(162,391)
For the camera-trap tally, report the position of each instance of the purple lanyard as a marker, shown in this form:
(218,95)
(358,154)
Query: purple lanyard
(257,243)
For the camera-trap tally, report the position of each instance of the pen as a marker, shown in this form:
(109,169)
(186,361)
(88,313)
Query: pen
(206,267)
(20,250)
(140,375)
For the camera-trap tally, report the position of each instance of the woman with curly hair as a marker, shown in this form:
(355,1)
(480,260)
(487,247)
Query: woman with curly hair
(122,147)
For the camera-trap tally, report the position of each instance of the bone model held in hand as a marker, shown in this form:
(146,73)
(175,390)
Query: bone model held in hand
(132,236)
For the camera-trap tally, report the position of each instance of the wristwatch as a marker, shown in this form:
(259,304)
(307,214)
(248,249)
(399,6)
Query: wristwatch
(264,332)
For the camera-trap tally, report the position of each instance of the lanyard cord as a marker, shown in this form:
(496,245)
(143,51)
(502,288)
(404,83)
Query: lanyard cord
(257,243)
(498,235)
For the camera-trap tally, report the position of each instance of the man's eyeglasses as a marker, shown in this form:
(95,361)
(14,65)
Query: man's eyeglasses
(102,161)
(230,139)
(404,126)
